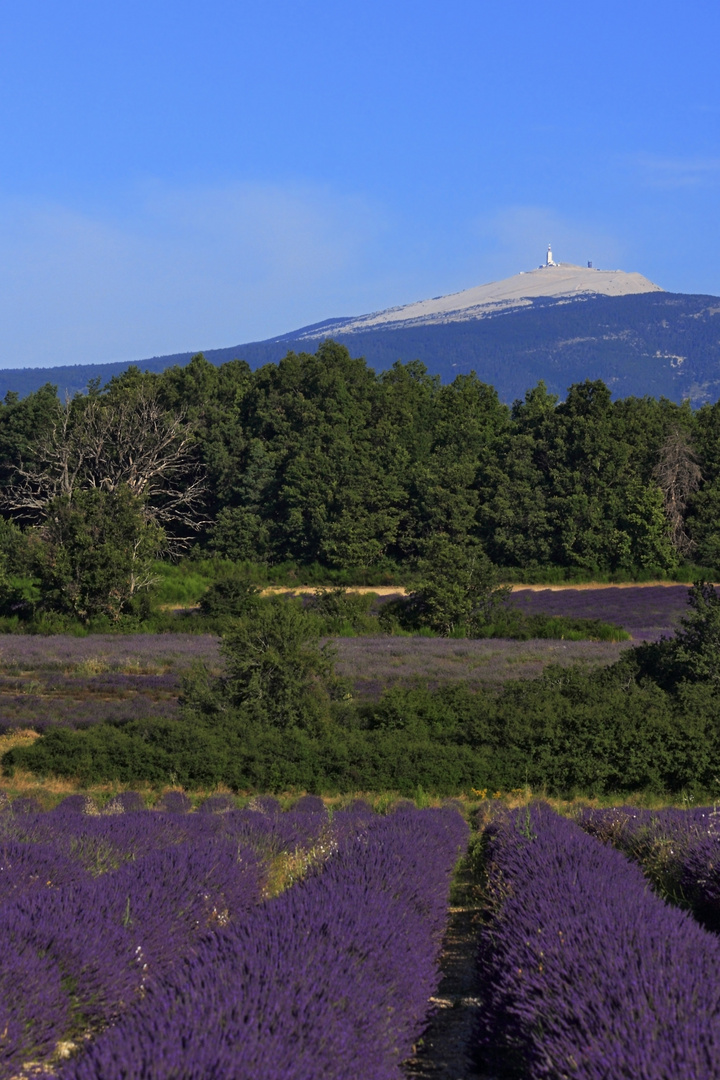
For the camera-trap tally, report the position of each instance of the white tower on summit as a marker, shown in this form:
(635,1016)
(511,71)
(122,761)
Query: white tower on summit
(549,260)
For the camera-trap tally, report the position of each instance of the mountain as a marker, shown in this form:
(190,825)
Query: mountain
(553,282)
(560,323)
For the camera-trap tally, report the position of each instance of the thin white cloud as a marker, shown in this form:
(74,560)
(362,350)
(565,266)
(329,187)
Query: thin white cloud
(674,173)
(180,269)
(515,238)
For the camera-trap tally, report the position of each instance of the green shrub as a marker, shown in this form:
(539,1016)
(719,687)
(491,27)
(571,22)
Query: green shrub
(344,614)
(277,674)
(569,732)
(229,598)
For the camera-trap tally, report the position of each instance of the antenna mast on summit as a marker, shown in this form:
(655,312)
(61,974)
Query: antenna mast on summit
(549,261)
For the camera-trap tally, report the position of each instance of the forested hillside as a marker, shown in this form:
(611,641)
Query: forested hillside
(662,344)
(318,461)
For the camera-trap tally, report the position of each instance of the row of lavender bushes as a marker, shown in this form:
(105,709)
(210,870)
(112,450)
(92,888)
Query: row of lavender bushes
(679,850)
(93,909)
(584,971)
(145,939)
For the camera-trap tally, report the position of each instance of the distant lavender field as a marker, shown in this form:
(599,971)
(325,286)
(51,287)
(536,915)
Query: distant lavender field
(71,681)
(110,652)
(646,612)
(376,662)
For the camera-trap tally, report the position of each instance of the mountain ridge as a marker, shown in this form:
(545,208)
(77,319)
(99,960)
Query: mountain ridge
(643,342)
(553,281)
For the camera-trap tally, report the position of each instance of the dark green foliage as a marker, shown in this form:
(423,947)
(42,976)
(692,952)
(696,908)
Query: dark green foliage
(574,486)
(94,554)
(343,613)
(316,462)
(229,598)
(519,626)
(277,674)
(22,424)
(19,591)
(459,598)
(692,656)
(458,588)
(273,725)
(697,643)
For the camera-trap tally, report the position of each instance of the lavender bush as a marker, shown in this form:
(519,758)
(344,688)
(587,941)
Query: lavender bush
(146,930)
(95,909)
(101,842)
(585,972)
(330,979)
(95,946)
(678,849)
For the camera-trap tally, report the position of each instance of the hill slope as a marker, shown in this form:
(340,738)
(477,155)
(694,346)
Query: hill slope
(645,341)
(550,283)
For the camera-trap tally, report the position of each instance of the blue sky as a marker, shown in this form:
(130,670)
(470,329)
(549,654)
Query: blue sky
(183,175)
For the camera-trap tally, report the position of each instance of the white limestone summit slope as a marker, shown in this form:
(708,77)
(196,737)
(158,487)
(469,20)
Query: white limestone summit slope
(556,282)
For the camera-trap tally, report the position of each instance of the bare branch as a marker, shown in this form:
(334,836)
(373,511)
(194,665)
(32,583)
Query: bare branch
(678,476)
(106,443)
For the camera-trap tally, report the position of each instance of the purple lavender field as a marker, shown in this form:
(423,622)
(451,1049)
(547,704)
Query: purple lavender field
(149,944)
(75,682)
(71,681)
(376,662)
(174,945)
(647,612)
(63,680)
(106,652)
(679,851)
(584,971)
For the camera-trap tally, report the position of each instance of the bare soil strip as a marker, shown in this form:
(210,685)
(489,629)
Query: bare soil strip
(445,1050)
(443,1053)
(400,590)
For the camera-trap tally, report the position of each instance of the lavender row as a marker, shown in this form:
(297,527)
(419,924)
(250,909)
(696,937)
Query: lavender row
(96,911)
(584,971)
(40,713)
(107,651)
(95,843)
(331,979)
(117,683)
(82,950)
(646,612)
(678,849)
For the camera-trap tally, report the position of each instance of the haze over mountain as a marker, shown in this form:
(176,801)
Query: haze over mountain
(559,322)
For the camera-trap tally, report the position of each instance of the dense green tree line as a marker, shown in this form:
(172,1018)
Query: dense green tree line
(318,460)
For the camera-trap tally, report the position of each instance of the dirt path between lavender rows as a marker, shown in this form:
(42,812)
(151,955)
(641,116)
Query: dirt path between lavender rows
(444,1052)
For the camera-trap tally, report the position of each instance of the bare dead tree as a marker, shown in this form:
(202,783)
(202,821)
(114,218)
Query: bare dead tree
(106,442)
(678,476)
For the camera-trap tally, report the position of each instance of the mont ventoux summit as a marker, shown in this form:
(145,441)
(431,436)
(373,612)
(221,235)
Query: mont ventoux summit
(559,322)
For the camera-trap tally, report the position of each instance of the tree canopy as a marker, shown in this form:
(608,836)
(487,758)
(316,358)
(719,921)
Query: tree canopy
(320,461)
